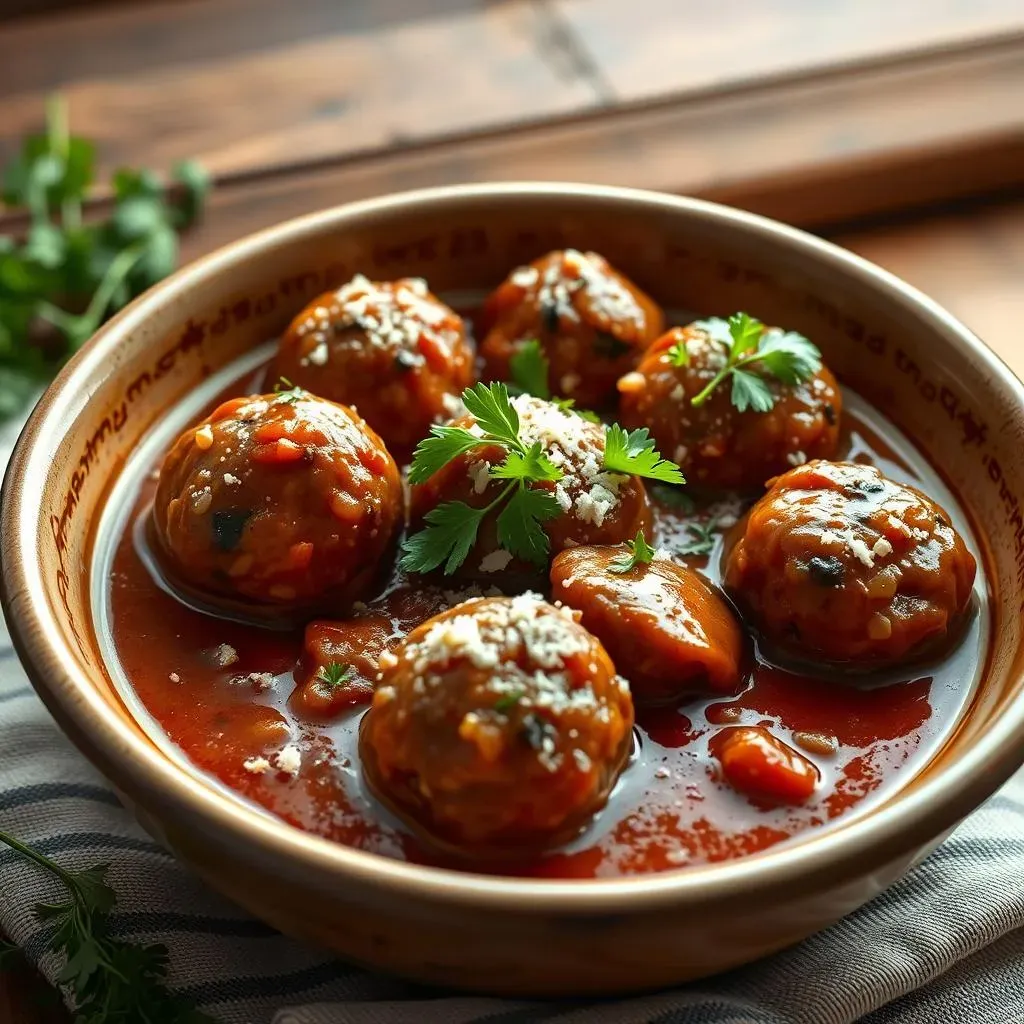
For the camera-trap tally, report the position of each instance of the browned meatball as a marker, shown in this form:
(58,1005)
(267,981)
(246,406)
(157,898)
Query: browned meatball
(499,727)
(717,446)
(598,507)
(390,348)
(837,563)
(285,500)
(663,623)
(592,323)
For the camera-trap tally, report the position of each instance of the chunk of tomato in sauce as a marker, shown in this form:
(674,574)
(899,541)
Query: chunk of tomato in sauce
(764,768)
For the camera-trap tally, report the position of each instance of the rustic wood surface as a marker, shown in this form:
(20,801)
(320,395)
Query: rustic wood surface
(875,107)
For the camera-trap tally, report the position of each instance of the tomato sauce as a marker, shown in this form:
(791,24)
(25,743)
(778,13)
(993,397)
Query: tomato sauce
(216,693)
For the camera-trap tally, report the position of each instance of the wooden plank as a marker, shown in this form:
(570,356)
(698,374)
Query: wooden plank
(264,84)
(648,48)
(811,151)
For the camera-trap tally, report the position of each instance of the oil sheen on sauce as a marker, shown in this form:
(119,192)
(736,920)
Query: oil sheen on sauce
(215,694)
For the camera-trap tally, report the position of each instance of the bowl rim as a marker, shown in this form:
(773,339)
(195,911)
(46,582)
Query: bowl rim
(898,827)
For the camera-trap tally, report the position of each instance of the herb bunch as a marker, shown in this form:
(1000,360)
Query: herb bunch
(452,527)
(753,354)
(109,981)
(65,277)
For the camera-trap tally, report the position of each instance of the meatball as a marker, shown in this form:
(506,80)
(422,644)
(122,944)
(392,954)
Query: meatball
(499,727)
(390,348)
(717,446)
(837,563)
(592,324)
(598,507)
(284,500)
(665,623)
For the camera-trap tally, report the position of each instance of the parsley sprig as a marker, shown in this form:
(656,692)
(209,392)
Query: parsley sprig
(335,674)
(109,981)
(640,553)
(703,536)
(67,275)
(785,355)
(451,528)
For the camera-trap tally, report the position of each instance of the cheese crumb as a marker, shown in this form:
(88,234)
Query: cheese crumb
(231,480)
(882,547)
(496,561)
(174,677)
(225,655)
(204,437)
(256,765)
(288,759)
(479,473)
(796,458)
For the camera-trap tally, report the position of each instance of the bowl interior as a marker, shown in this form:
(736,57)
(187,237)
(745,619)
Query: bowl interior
(895,348)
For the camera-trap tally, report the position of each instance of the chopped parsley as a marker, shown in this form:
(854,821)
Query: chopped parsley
(703,534)
(507,701)
(677,354)
(785,355)
(335,674)
(287,392)
(640,553)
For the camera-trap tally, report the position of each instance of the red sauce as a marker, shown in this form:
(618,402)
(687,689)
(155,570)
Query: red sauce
(670,808)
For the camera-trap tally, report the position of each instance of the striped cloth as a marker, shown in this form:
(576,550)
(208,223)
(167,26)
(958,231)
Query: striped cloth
(945,943)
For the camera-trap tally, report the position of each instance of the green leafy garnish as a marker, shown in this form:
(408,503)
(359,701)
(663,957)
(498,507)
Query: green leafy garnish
(677,354)
(703,534)
(507,701)
(109,981)
(640,553)
(785,355)
(61,281)
(672,496)
(334,674)
(635,453)
(287,392)
(451,528)
(529,368)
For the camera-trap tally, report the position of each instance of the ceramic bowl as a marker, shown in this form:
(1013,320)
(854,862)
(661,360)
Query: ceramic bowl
(894,346)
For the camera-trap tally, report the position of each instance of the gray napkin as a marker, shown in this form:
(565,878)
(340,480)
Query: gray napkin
(946,943)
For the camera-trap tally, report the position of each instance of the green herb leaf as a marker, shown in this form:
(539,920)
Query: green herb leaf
(671,496)
(108,981)
(640,553)
(531,465)
(677,354)
(507,701)
(519,524)
(448,537)
(529,368)
(750,392)
(335,674)
(130,182)
(287,392)
(195,181)
(703,534)
(787,356)
(490,407)
(444,444)
(634,453)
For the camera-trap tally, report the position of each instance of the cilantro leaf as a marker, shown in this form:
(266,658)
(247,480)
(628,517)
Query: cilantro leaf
(785,355)
(438,449)
(634,453)
(519,525)
(533,465)
(640,553)
(677,354)
(529,368)
(744,332)
(488,404)
(749,391)
(448,537)
(789,356)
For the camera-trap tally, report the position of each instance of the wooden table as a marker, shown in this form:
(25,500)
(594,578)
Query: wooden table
(900,123)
